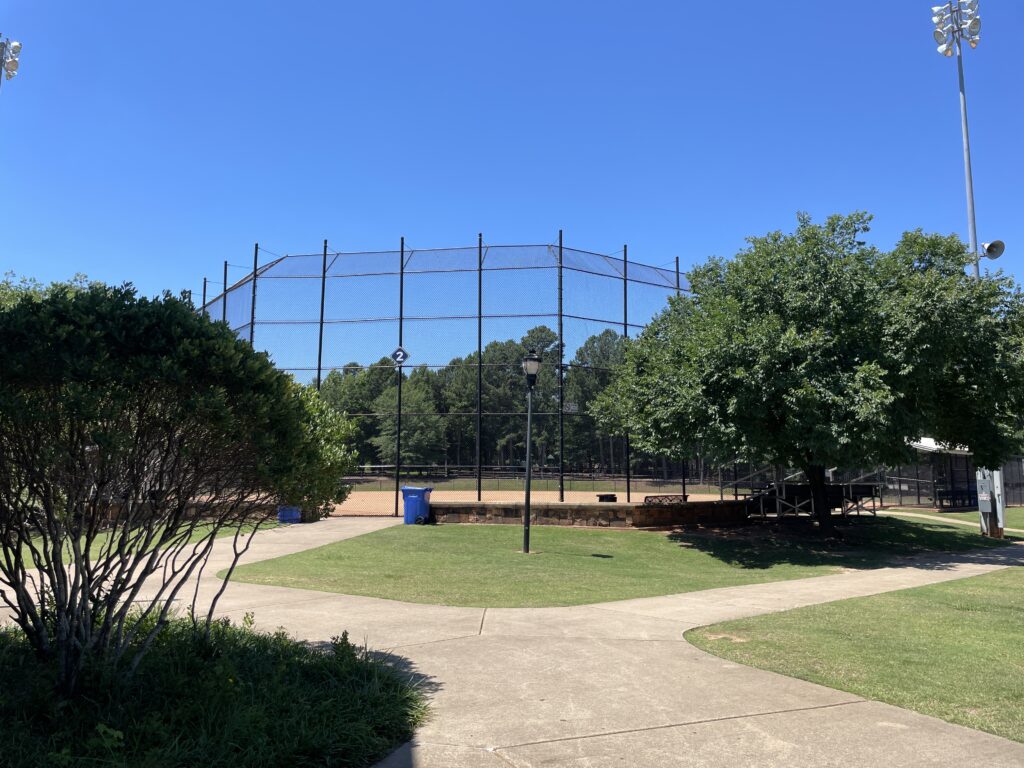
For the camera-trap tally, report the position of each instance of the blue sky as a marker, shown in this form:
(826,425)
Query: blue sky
(147,142)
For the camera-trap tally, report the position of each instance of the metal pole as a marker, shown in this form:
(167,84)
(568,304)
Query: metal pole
(224,296)
(529,473)
(678,289)
(320,342)
(479,363)
(252,305)
(204,292)
(971,232)
(625,333)
(398,415)
(561,381)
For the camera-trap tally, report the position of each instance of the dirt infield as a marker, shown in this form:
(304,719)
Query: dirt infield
(368,503)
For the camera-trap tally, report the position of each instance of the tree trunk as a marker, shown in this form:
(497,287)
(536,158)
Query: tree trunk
(819,495)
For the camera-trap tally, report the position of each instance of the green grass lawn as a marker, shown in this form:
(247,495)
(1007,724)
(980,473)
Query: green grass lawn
(1014,515)
(480,565)
(949,650)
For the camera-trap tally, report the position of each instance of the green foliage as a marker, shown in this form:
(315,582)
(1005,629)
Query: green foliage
(319,482)
(13,288)
(237,698)
(589,374)
(423,433)
(814,350)
(133,432)
(439,405)
(354,390)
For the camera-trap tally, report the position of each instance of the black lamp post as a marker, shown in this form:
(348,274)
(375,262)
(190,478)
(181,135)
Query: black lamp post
(531,366)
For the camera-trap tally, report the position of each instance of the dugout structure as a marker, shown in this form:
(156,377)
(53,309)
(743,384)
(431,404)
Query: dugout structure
(454,411)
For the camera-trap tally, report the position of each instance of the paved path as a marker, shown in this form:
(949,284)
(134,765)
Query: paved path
(615,684)
(940,518)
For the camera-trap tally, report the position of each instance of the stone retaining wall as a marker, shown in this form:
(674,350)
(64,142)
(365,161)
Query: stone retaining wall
(710,513)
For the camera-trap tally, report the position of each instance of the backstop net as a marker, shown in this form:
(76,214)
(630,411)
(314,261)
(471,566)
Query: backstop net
(451,412)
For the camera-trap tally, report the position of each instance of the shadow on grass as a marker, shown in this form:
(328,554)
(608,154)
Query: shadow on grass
(405,669)
(861,542)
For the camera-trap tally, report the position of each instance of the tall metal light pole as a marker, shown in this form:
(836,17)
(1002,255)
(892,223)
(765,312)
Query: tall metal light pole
(954,23)
(531,367)
(10,50)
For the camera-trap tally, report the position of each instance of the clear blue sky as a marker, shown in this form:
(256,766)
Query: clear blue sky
(147,142)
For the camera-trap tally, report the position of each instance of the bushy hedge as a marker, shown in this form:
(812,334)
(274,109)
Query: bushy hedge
(240,698)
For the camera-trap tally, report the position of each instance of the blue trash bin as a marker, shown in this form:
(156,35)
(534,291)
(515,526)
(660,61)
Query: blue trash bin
(289,515)
(417,505)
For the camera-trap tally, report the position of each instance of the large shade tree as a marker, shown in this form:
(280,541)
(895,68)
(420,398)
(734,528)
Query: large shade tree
(815,350)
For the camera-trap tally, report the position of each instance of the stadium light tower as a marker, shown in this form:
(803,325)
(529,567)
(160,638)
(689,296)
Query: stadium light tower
(956,22)
(10,50)
(531,367)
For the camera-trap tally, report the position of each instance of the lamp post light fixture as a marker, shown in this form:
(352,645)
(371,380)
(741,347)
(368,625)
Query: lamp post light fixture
(531,367)
(10,50)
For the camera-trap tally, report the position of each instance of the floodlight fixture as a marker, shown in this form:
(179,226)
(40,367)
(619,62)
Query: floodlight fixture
(994,249)
(956,22)
(9,52)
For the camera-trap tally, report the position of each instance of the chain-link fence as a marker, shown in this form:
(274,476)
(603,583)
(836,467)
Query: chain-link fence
(450,412)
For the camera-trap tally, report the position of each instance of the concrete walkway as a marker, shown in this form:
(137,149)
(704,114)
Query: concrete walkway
(939,518)
(615,684)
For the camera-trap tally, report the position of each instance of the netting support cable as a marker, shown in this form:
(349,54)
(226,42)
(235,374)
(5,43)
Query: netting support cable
(398,368)
(479,362)
(625,334)
(320,342)
(252,304)
(224,298)
(561,381)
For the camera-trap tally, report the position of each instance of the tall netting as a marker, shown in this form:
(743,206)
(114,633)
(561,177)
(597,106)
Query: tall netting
(453,415)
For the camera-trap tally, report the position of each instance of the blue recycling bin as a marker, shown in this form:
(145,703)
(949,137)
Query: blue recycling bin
(417,505)
(289,515)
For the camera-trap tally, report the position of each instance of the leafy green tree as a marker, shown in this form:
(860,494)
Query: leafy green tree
(13,288)
(423,433)
(455,395)
(588,375)
(814,350)
(317,486)
(133,432)
(504,397)
(355,390)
